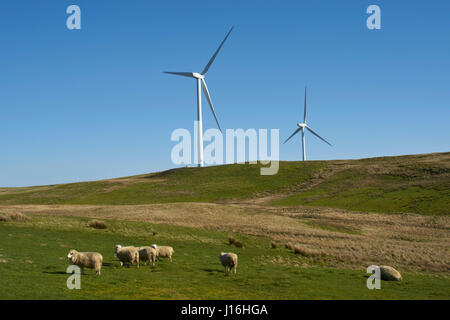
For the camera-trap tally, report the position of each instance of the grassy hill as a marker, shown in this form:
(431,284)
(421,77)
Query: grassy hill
(321,217)
(209,184)
(414,184)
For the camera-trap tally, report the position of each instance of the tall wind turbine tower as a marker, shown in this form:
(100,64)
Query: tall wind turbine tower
(301,127)
(201,84)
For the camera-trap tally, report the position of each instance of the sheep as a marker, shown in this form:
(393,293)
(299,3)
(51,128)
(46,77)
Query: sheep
(147,254)
(91,260)
(163,251)
(127,254)
(229,261)
(388,273)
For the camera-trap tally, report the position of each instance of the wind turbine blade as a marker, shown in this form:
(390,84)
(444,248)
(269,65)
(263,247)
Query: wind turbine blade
(295,132)
(184,74)
(311,130)
(217,51)
(208,97)
(304,114)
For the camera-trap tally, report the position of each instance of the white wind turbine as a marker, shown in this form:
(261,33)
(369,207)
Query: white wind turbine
(201,83)
(302,127)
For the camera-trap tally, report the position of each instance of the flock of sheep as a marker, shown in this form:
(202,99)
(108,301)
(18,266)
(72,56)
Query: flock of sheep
(134,255)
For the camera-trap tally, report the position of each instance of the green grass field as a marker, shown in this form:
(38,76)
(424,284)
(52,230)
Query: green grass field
(392,210)
(35,254)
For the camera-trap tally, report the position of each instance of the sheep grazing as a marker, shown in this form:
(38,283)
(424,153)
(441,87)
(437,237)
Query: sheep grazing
(147,254)
(388,273)
(229,261)
(163,251)
(127,254)
(92,260)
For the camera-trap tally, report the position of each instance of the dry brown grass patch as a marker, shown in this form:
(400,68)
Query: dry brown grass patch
(238,244)
(97,224)
(306,252)
(289,246)
(235,242)
(410,241)
(13,216)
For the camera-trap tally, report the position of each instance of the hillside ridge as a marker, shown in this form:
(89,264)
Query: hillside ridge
(410,184)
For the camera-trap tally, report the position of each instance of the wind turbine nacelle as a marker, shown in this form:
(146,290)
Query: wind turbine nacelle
(301,125)
(197,75)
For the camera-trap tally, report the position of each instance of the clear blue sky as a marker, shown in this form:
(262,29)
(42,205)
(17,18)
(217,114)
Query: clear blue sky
(93,103)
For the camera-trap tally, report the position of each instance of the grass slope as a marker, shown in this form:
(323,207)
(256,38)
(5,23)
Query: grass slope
(209,184)
(413,184)
(37,270)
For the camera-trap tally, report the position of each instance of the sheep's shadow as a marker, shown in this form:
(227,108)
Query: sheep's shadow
(213,270)
(55,272)
(107,264)
(125,266)
(66,273)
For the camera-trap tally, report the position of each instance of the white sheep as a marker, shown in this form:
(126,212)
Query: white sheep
(388,273)
(147,254)
(127,254)
(229,261)
(163,251)
(91,260)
